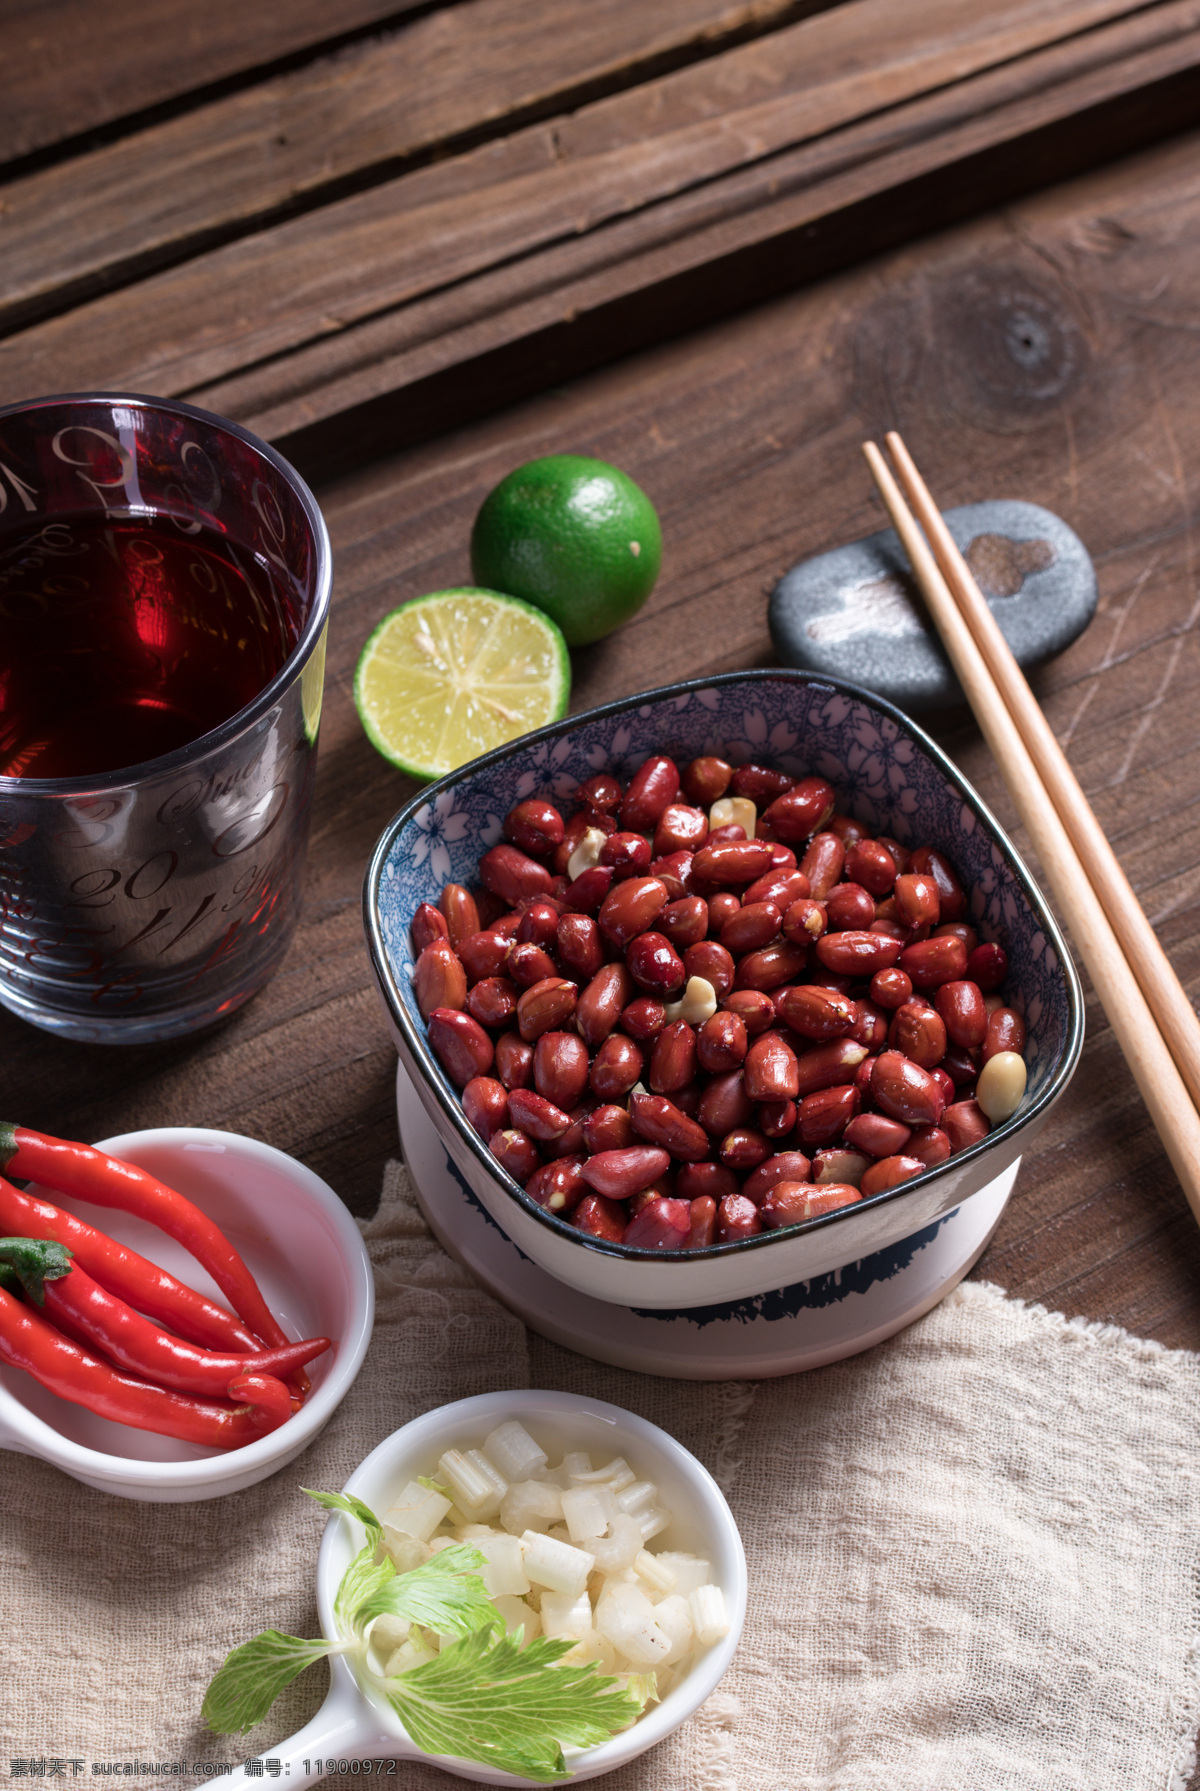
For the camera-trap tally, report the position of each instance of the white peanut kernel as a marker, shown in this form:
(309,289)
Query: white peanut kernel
(697,1004)
(1001,1085)
(586,853)
(734,811)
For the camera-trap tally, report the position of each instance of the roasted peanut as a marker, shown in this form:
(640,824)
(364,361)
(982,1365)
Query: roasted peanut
(680,828)
(850,908)
(817,1013)
(965,1123)
(600,1218)
(891,988)
(631,908)
(840,1166)
(961,1007)
(829,1064)
(545,1007)
(783,887)
(619,1173)
(889,1172)
(616,1068)
(601,1002)
(737,1217)
(720,907)
(721,1043)
(801,811)
(659,1224)
(754,925)
(626,855)
(483,954)
(1005,1032)
(694,1180)
(590,888)
(705,780)
(905,1091)
(741,861)
(709,959)
(511,874)
(877,1135)
(753,1007)
(917,900)
(515,1153)
(577,945)
(744,1148)
(771,967)
(674,872)
(493,1002)
(514,1060)
(643,1018)
(673,1060)
(601,791)
(871,864)
(607,1128)
(653,786)
(1001,1085)
(485,1103)
(461,912)
(539,924)
(783,1166)
(771,1071)
(934,961)
(559,1187)
(560,1068)
(535,826)
(920,1032)
(654,964)
(856,954)
(928,1144)
(529,964)
(952,903)
(760,783)
(702,1225)
(822,864)
(439,979)
(847,829)
(428,924)
(661,1122)
(823,1116)
(537,1117)
(987,966)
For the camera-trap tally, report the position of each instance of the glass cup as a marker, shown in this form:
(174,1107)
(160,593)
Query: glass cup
(164,592)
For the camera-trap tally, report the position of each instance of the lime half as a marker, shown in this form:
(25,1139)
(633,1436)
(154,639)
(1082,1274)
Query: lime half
(449,676)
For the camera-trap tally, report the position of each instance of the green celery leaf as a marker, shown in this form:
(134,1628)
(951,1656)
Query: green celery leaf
(445,1593)
(508,1708)
(434,1486)
(35,1261)
(252,1677)
(365,1575)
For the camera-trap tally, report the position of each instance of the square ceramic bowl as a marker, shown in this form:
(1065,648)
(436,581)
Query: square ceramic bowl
(887,774)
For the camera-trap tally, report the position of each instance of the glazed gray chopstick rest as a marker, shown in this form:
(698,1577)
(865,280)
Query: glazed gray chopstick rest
(856,612)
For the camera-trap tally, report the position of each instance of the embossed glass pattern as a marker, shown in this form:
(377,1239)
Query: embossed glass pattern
(164,592)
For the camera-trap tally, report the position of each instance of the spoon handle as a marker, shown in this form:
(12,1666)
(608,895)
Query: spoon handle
(344,1727)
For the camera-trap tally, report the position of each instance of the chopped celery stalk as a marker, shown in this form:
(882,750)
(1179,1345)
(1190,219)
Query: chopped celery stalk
(418,1511)
(513,1452)
(556,1565)
(709,1615)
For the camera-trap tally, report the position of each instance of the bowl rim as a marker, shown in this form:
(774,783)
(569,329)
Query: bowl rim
(528,1404)
(446,1097)
(267,1453)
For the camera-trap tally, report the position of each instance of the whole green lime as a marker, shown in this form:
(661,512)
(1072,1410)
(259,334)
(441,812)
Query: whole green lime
(574,536)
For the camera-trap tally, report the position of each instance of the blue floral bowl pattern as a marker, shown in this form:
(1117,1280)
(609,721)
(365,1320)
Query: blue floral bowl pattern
(890,776)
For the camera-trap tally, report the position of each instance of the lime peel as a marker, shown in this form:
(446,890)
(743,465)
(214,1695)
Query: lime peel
(454,674)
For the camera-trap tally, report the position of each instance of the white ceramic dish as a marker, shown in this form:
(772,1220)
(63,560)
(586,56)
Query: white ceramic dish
(886,773)
(307,1255)
(352,1725)
(783,1331)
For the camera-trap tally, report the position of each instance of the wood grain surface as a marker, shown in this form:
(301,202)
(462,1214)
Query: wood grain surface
(685,195)
(1050,352)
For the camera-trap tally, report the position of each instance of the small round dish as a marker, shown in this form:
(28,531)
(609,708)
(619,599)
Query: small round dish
(307,1255)
(354,1724)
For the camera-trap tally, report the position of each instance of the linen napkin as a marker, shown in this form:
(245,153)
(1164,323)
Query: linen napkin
(974,1557)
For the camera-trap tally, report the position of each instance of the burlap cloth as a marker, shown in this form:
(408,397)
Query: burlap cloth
(973,1553)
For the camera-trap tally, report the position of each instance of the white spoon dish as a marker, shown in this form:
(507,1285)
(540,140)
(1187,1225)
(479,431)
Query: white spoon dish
(307,1255)
(354,1724)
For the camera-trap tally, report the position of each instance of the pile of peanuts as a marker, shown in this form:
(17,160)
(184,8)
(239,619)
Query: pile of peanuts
(673,1034)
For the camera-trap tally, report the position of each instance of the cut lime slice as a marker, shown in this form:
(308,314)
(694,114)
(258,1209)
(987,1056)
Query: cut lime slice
(449,676)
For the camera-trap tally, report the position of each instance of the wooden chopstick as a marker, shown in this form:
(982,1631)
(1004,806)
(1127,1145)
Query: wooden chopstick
(1150,1061)
(1176,1017)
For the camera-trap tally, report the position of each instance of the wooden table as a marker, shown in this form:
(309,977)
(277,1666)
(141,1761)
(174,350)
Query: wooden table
(717,242)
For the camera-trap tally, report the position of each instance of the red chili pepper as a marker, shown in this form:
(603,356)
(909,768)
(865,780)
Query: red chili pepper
(82,1308)
(86,1174)
(29,1342)
(122,1271)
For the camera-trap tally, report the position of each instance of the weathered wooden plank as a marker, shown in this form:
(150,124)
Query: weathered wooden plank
(387,289)
(287,144)
(71,67)
(1072,377)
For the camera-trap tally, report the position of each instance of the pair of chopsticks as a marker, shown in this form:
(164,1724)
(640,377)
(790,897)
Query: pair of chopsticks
(1154,1022)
